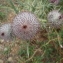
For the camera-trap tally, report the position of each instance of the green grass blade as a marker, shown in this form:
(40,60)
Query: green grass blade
(13,6)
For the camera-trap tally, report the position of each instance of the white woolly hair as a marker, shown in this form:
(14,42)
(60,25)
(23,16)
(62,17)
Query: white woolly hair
(55,19)
(5,32)
(25,25)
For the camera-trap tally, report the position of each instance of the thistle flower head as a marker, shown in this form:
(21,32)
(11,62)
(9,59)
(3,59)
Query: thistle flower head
(5,32)
(54,1)
(25,25)
(55,19)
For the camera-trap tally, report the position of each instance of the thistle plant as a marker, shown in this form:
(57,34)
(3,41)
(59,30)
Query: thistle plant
(54,1)
(45,49)
(6,32)
(55,19)
(25,25)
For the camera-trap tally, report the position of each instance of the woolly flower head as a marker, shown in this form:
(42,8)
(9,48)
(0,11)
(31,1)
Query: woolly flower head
(5,32)
(25,25)
(55,19)
(54,1)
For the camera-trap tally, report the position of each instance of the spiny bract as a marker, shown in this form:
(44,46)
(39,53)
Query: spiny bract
(55,19)
(5,32)
(25,25)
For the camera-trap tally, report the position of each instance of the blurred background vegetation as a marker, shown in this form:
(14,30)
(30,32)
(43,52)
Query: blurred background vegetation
(45,48)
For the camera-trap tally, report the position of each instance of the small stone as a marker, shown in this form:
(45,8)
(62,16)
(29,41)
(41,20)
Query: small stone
(10,59)
(1,41)
(1,47)
(1,61)
(5,49)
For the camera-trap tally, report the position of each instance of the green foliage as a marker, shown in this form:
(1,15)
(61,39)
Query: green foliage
(50,51)
(2,15)
(13,6)
(7,50)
